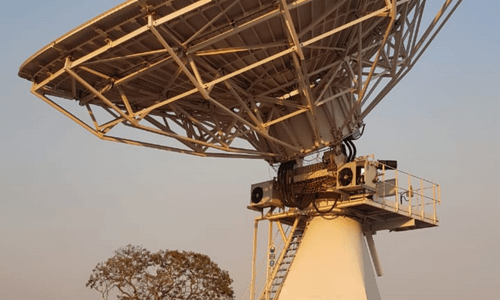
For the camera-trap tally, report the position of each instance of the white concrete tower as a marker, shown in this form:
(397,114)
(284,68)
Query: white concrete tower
(332,263)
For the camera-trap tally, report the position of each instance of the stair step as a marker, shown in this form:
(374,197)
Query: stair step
(284,266)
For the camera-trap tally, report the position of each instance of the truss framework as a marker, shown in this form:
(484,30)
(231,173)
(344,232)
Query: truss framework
(272,80)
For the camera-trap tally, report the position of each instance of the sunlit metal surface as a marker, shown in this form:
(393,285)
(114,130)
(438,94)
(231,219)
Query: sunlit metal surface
(272,80)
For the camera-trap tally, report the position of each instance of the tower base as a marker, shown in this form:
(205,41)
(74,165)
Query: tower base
(332,263)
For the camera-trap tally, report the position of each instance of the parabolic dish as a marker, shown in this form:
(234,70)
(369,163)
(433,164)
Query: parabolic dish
(272,80)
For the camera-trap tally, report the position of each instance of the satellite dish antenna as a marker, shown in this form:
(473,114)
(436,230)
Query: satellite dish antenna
(272,80)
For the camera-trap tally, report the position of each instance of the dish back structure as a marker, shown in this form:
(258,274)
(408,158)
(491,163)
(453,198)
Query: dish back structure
(271,80)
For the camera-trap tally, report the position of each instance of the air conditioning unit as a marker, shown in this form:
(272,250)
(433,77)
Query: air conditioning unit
(264,194)
(357,175)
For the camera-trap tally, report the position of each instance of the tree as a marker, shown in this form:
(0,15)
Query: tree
(134,273)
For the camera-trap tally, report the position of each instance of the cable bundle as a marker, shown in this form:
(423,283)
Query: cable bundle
(289,198)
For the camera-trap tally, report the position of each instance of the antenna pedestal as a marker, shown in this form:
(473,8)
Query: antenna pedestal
(332,263)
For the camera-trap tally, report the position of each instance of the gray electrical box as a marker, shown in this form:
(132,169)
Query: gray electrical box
(264,194)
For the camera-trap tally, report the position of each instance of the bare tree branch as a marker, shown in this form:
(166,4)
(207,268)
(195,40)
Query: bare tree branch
(134,273)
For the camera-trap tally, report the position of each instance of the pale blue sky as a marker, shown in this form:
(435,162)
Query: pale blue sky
(68,199)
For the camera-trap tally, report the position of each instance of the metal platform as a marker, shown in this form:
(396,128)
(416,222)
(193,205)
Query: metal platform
(375,215)
(379,196)
(391,216)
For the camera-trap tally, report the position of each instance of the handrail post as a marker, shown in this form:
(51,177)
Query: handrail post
(422,196)
(383,186)
(410,192)
(397,189)
(434,202)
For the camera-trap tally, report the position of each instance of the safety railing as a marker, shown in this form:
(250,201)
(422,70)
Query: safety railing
(407,194)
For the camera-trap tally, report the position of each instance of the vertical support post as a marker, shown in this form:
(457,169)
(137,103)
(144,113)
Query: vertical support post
(434,202)
(383,186)
(397,189)
(254,258)
(269,245)
(410,192)
(423,199)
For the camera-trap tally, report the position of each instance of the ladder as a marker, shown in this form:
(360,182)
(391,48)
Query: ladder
(284,266)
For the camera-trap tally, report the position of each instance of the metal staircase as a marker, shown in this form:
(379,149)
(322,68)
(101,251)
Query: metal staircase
(284,266)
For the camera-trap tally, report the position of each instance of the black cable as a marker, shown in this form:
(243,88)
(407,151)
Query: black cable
(349,150)
(285,182)
(286,187)
(343,149)
(401,197)
(353,147)
(306,200)
(329,210)
(362,131)
(281,183)
(299,201)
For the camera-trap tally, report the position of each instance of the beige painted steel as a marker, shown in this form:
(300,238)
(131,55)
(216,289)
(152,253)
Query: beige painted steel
(332,263)
(267,79)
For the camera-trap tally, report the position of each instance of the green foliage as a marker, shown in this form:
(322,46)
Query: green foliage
(134,273)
